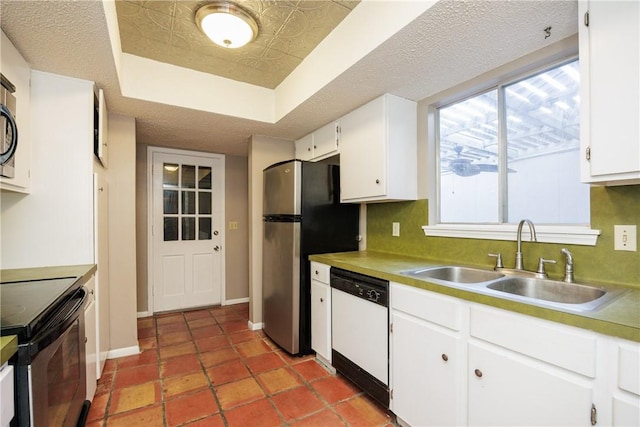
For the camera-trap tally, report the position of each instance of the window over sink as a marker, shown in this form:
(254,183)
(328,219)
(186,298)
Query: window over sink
(511,151)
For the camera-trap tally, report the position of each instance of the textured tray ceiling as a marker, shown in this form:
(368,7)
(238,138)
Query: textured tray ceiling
(166,31)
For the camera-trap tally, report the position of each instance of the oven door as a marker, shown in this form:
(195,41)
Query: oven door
(51,389)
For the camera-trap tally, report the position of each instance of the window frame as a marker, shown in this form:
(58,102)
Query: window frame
(579,234)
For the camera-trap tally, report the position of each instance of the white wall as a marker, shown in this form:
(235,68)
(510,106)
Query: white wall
(263,151)
(122,233)
(237,241)
(54,224)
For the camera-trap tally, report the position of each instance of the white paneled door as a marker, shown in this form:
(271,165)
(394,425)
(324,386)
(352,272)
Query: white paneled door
(187,230)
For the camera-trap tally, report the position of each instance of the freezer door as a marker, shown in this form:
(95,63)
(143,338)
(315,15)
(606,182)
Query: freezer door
(281,284)
(282,189)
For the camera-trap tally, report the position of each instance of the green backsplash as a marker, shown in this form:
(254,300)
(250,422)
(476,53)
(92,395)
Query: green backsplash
(600,263)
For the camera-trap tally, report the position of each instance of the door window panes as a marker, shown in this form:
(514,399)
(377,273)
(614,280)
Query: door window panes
(187,202)
(170,229)
(188,228)
(204,228)
(170,202)
(204,178)
(204,202)
(188,176)
(170,175)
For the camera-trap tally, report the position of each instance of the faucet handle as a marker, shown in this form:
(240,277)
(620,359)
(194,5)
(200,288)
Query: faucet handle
(568,269)
(498,258)
(541,262)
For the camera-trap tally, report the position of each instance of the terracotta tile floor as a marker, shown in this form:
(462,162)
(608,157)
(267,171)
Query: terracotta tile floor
(205,368)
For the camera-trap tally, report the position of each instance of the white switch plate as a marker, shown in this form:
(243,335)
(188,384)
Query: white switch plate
(625,238)
(395,229)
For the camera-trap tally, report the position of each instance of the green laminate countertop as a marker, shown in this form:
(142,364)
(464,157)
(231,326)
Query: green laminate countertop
(82,272)
(620,317)
(8,347)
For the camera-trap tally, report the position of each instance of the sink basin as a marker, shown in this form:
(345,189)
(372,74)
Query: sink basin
(454,274)
(554,291)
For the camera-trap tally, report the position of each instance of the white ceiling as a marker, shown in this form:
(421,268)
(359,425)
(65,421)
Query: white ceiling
(165,30)
(449,43)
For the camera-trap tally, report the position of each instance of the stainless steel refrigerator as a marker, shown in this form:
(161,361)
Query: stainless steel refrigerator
(302,216)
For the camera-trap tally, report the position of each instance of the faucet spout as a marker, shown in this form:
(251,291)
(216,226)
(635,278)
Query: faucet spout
(533,238)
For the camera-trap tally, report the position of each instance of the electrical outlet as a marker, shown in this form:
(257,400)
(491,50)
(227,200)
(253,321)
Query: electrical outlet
(395,229)
(625,238)
(233,225)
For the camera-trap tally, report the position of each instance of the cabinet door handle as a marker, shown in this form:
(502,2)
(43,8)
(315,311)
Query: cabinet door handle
(377,181)
(321,299)
(478,373)
(445,357)
(317,272)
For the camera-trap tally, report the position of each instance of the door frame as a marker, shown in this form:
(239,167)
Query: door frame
(151,150)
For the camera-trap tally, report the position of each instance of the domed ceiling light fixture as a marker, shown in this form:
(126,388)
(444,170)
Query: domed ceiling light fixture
(226,24)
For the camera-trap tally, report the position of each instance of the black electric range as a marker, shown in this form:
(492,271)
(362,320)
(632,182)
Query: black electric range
(50,366)
(27,306)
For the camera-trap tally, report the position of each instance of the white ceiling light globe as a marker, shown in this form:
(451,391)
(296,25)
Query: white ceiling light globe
(226,24)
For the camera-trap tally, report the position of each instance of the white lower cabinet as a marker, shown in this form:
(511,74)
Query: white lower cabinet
(321,312)
(90,339)
(507,389)
(426,371)
(427,358)
(455,362)
(626,393)
(7,409)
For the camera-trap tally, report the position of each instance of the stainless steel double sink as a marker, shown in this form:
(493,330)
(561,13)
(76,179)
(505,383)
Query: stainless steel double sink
(532,290)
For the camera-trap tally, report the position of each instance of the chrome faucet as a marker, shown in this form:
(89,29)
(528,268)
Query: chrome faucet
(532,231)
(568,267)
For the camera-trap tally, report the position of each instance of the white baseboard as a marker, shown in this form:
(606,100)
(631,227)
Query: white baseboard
(235,301)
(254,326)
(144,314)
(122,352)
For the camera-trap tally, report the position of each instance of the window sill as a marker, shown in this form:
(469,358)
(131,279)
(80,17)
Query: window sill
(563,234)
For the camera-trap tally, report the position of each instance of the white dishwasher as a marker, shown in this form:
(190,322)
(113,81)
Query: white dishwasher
(360,331)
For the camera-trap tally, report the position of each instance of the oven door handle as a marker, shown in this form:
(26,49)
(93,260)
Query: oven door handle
(67,315)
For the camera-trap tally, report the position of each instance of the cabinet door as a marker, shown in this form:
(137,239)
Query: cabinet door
(626,397)
(426,365)
(325,140)
(304,147)
(101,231)
(609,67)
(321,319)
(363,152)
(91,345)
(509,389)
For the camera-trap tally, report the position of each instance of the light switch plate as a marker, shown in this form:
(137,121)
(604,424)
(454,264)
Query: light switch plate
(395,229)
(625,238)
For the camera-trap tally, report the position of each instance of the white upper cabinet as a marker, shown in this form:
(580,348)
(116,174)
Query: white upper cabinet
(304,147)
(610,88)
(326,140)
(378,147)
(101,126)
(319,144)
